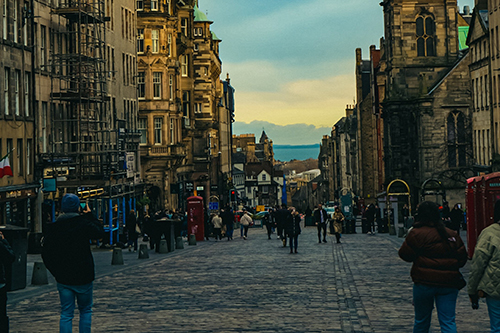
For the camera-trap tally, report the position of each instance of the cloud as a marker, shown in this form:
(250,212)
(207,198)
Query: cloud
(295,134)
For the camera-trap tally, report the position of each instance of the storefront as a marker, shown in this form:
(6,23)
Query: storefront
(18,205)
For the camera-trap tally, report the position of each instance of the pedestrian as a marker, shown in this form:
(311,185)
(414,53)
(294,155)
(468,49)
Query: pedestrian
(437,253)
(148,229)
(7,257)
(66,254)
(207,224)
(281,216)
(445,212)
(484,276)
(371,213)
(456,218)
(267,221)
(246,221)
(293,230)
(132,227)
(217,223)
(228,221)
(321,219)
(337,220)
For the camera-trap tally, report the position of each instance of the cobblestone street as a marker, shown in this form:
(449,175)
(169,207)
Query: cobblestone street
(255,285)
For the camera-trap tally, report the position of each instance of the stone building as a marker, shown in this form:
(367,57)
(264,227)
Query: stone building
(427,105)
(18,194)
(480,71)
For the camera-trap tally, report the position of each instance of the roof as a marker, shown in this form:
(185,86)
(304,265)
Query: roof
(482,18)
(199,16)
(438,84)
(263,137)
(215,38)
(257,168)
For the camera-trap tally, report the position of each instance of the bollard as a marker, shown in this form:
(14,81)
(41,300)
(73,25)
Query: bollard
(39,276)
(163,246)
(392,230)
(192,240)
(401,232)
(179,243)
(117,258)
(143,251)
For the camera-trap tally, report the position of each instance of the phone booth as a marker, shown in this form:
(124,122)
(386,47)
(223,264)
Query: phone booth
(195,218)
(485,191)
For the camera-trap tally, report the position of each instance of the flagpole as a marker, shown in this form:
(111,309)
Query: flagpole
(3,158)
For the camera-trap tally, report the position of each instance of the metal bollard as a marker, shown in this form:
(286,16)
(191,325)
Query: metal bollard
(192,240)
(39,276)
(143,251)
(179,243)
(117,258)
(163,246)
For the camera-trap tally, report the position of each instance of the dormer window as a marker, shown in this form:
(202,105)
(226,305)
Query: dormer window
(426,36)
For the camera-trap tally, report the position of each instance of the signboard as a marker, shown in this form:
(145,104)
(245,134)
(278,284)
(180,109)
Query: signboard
(130,165)
(213,206)
(189,186)
(214,188)
(260,208)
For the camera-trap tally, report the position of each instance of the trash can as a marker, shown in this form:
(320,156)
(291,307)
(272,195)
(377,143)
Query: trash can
(309,221)
(15,274)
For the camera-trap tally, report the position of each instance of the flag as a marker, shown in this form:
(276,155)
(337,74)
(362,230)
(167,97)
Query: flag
(5,169)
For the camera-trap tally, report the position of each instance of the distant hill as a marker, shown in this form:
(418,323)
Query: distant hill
(298,165)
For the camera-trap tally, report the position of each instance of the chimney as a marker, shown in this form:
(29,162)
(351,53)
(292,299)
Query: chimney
(466,10)
(227,78)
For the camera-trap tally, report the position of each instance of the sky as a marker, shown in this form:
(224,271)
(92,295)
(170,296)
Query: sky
(292,61)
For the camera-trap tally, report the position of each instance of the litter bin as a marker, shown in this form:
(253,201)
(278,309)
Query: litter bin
(309,221)
(15,274)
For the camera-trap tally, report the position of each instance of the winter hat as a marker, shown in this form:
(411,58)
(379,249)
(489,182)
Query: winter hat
(70,203)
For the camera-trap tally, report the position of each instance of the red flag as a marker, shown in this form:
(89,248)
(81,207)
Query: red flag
(5,169)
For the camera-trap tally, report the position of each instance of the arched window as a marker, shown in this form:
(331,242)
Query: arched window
(426,36)
(456,139)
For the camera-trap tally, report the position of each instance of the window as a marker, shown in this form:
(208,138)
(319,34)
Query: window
(143,129)
(154,5)
(425,36)
(157,85)
(196,47)
(171,87)
(155,38)
(264,176)
(4,20)
(185,104)
(10,146)
(184,65)
(158,130)
(140,40)
(141,85)
(198,108)
(44,126)
(198,32)
(456,139)
(139,4)
(42,46)
(184,26)
(20,157)
(167,9)
(28,156)
(169,41)
(6,90)
(16,24)
(16,91)
(172,131)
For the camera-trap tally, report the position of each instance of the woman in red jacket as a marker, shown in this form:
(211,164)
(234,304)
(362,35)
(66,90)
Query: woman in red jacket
(437,253)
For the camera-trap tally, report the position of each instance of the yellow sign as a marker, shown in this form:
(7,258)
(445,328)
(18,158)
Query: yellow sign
(260,208)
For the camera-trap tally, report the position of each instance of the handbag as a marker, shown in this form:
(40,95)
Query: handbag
(137,229)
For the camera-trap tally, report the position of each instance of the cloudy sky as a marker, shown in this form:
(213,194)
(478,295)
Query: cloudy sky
(292,61)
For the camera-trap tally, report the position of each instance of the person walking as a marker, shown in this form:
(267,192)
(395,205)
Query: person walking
(268,222)
(66,254)
(228,221)
(7,257)
(281,216)
(217,223)
(370,219)
(437,253)
(484,276)
(245,221)
(293,230)
(337,220)
(321,219)
(131,226)
(456,218)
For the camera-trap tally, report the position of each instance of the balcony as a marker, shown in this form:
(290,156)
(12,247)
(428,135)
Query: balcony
(170,151)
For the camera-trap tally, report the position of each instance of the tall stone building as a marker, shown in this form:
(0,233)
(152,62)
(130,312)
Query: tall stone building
(18,194)
(427,106)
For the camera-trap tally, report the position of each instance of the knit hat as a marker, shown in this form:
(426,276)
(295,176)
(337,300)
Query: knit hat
(70,203)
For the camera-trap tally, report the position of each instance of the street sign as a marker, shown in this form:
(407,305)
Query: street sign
(214,188)
(189,186)
(213,206)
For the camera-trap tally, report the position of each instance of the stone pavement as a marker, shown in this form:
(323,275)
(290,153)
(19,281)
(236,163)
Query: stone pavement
(255,285)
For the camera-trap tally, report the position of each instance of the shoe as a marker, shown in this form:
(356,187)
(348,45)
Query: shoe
(319,242)
(338,242)
(296,251)
(324,240)
(291,251)
(244,237)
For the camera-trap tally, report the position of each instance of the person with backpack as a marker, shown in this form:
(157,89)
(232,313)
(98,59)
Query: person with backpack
(7,257)
(437,254)
(67,255)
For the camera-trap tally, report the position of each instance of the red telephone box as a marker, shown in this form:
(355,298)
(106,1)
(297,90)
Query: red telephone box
(195,218)
(482,193)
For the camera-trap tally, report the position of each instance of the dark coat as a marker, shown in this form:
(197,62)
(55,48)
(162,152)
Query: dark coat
(456,219)
(317,215)
(7,257)
(130,225)
(227,218)
(435,262)
(292,226)
(66,248)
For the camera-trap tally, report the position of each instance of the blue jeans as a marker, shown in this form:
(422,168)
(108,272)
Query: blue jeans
(83,296)
(494,312)
(446,299)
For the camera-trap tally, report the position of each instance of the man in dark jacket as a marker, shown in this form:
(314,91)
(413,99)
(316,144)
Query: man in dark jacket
(7,257)
(321,219)
(228,220)
(66,254)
